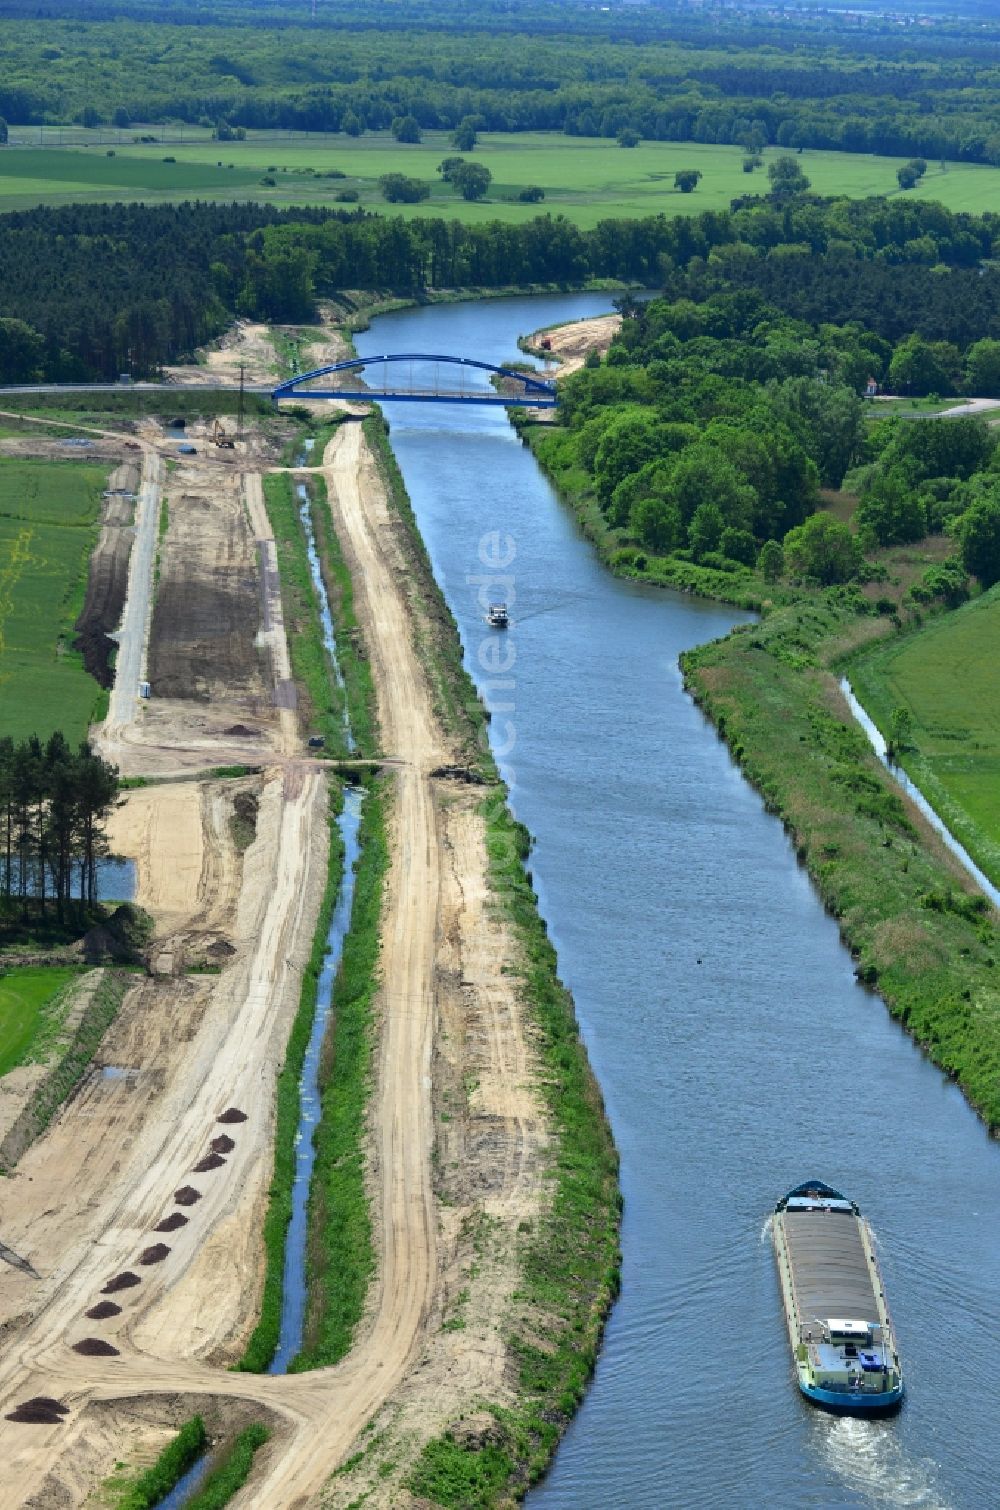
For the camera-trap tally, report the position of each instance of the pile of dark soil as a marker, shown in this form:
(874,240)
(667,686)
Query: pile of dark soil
(40,1410)
(102,610)
(121,938)
(124,1281)
(154,1255)
(172,1222)
(240,731)
(187,1195)
(103,1310)
(212,1161)
(96,1347)
(232,1114)
(222,1144)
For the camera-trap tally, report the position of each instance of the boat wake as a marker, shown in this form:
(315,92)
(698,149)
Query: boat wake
(872,1462)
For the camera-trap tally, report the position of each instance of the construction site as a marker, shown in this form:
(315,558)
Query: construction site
(113,1337)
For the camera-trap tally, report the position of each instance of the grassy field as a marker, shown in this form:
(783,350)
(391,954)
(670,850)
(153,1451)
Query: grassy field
(945,674)
(24,995)
(585,178)
(49,513)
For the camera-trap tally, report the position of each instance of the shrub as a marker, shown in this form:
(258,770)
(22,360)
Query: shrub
(771,561)
(823,549)
(397,188)
(738,545)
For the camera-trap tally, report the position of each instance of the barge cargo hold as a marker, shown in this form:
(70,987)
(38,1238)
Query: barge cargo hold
(835,1306)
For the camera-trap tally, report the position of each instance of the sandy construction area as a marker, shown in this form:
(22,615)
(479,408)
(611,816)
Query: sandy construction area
(248,343)
(570,345)
(457,1133)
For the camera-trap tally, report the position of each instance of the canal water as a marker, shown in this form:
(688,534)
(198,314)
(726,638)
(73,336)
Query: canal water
(736,1050)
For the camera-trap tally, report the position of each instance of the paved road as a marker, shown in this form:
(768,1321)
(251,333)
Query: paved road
(133,636)
(178,388)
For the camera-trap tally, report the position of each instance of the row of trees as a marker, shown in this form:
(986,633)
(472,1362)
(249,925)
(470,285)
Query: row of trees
(53,804)
(90,291)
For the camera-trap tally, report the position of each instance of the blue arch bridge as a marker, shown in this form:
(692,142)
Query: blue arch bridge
(421,377)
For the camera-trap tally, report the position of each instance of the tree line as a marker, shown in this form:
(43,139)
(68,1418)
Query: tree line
(90,291)
(53,803)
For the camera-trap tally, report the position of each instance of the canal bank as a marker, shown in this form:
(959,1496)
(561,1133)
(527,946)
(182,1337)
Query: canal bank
(716,1001)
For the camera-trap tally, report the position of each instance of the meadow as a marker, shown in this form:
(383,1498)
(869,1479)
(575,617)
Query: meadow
(945,675)
(49,513)
(24,996)
(585,178)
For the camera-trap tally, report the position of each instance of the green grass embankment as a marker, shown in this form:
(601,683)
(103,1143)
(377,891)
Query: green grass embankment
(98,1017)
(324,699)
(231,1472)
(169,1468)
(354,664)
(263,1342)
(341,1255)
(221,1484)
(920,932)
(945,675)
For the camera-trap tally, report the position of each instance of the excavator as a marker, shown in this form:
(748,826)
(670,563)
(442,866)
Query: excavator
(221,439)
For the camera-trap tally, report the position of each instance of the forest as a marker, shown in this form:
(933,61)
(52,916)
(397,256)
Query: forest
(90,291)
(718,427)
(53,802)
(666,72)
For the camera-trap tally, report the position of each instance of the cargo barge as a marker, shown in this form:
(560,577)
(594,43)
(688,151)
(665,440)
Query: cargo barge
(838,1318)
